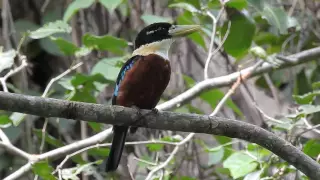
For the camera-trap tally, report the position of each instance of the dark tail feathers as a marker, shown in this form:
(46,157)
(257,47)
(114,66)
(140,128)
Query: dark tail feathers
(119,138)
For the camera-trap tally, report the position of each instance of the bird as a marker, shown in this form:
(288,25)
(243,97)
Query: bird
(144,77)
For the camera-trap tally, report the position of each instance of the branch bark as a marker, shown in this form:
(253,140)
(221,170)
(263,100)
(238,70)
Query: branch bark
(292,60)
(49,107)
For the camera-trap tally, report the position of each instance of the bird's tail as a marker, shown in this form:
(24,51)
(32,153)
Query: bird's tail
(119,137)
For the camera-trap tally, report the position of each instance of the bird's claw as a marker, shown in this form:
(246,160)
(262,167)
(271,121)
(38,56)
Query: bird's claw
(155,110)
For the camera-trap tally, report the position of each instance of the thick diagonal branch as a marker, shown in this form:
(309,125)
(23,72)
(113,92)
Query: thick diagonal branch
(48,107)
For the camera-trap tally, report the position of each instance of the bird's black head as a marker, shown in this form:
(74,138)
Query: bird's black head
(161,31)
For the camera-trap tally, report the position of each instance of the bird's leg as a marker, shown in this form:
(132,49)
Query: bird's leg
(139,114)
(155,110)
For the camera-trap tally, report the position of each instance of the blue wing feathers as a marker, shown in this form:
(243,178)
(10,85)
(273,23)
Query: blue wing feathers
(128,65)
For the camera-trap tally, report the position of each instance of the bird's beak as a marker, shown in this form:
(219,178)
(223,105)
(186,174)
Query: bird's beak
(183,30)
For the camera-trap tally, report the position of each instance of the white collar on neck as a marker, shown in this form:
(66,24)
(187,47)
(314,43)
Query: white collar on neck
(160,48)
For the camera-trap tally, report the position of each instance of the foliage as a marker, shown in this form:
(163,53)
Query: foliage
(252,28)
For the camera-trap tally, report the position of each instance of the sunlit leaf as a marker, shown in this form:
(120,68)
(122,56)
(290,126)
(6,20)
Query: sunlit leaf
(306,98)
(316,85)
(107,43)
(97,127)
(155,147)
(17,118)
(150,19)
(44,170)
(87,169)
(254,175)
(240,164)
(238,4)
(75,6)
(68,48)
(48,138)
(50,29)
(276,17)
(186,18)
(110,4)
(7,59)
(305,110)
(312,148)
(216,156)
(258,52)
(107,68)
(240,34)
(101,151)
(5,121)
(186,6)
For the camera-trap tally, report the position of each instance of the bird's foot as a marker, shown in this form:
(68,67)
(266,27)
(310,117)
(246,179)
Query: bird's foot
(155,110)
(139,114)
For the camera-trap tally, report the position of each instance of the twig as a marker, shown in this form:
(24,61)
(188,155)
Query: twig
(266,116)
(23,64)
(173,153)
(116,115)
(213,35)
(45,93)
(31,106)
(234,87)
(301,57)
(12,149)
(4,137)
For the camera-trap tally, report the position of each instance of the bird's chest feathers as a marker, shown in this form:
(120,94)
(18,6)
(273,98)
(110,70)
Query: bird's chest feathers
(160,48)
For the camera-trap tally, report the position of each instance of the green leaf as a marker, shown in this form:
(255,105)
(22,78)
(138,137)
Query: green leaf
(111,5)
(107,67)
(107,43)
(257,150)
(72,173)
(22,26)
(312,148)
(5,121)
(83,51)
(97,127)
(182,178)
(155,147)
(150,19)
(75,6)
(185,6)
(186,18)
(259,52)
(213,97)
(44,170)
(50,29)
(82,79)
(48,138)
(276,17)
(240,35)
(99,152)
(316,85)
(254,175)
(17,118)
(68,48)
(216,156)
(189,81)
(238,4)
(306,98)
(6,59)
(305,110)
(240,164)
(302,85)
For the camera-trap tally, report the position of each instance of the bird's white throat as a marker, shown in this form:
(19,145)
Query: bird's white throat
(160,48)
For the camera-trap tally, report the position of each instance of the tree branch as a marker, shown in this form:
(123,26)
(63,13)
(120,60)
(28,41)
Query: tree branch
(226,80)
(49,107)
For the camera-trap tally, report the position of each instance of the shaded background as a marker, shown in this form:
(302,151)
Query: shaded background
(281,27)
